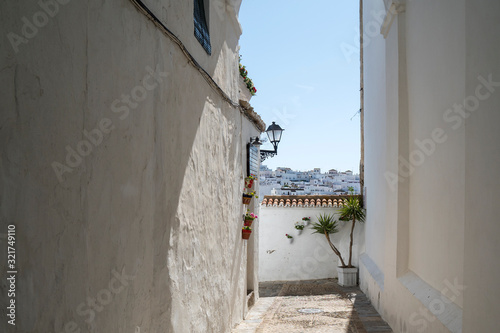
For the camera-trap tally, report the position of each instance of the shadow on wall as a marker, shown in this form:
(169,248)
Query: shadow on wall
(121,122)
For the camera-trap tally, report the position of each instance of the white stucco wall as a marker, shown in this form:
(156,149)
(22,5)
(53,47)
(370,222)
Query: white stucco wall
(482,161)
(375,151)
(147,223)
(309,256)
(438,67)
(428,273)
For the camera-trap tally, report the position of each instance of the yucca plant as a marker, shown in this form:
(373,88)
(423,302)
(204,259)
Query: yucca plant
(327,225)
(352,210)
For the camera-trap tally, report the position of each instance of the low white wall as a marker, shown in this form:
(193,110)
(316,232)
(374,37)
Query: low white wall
(309,256)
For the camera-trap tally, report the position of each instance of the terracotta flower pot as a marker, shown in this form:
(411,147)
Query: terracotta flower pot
(247,199)
(248,222)
(246,233)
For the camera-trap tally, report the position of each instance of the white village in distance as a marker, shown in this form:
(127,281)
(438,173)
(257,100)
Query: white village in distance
(285,181)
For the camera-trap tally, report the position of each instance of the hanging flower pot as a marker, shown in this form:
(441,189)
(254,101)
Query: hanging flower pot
(290,238)
(246,233)
(246,199)
(248,183)
(249,217)
(298,228)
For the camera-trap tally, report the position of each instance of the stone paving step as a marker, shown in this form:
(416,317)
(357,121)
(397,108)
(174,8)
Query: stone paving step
(343,310)
(254,316)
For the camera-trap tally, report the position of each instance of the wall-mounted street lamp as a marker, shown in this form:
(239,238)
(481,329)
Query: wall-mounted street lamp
(274,132)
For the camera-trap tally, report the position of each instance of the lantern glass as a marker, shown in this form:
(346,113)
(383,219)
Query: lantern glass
(274,133)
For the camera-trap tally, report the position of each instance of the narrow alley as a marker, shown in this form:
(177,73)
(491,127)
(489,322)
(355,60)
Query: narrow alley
(311,306)
(223,166)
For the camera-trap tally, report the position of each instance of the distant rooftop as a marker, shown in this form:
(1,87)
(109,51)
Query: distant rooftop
(305,200)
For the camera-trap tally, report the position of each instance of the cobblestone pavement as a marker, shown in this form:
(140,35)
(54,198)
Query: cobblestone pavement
(320,306)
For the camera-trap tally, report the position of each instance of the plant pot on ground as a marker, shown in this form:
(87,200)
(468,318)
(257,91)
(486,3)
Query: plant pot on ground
(348,277)
(355,212)
(327,225)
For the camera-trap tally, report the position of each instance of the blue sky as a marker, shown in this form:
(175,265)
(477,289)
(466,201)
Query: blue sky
(305,82)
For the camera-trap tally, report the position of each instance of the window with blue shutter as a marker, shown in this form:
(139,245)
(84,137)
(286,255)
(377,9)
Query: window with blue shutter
(201,26)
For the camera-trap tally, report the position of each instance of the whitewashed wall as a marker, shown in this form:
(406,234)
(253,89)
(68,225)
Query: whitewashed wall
(431,115)
(157,202)
(309,256)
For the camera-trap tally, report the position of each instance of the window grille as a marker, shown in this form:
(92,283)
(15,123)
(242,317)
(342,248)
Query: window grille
(201,26)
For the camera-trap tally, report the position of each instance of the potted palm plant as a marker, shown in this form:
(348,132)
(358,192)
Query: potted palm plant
(352,210)
(326,226)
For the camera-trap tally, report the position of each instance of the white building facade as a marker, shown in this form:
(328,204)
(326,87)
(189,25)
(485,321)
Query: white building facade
(431,97)
(285,181)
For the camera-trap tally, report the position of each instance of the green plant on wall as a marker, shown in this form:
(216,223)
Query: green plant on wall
(299,226)
(248,81)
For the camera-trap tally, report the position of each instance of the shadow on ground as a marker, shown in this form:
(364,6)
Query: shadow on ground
(312,306)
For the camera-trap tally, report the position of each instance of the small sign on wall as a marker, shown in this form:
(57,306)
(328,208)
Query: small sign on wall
(253,160)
